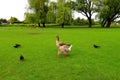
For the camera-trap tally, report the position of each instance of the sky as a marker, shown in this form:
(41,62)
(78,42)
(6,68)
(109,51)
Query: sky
(17,8)
(14,8)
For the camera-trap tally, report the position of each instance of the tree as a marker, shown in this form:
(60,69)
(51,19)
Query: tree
(118,22)
(13,20)
(30,18)
(109,11)
(51,14)
(86,8)
(64,13)
(40,7)
(3,21)
(79,21)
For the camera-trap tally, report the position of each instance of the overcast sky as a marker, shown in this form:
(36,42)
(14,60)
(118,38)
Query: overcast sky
(17,8)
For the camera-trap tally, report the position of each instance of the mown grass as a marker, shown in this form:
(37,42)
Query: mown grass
(40,52)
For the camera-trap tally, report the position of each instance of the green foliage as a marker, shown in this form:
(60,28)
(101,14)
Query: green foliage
(79,21)
(61,12)
(13,20)
(87,8)
(83,21)
(118,21)
(109,11)
(51,14)
(64,13)
(51,18)
(3,21)
(30,18)
(40,7)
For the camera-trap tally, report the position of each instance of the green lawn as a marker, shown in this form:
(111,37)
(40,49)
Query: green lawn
(40,52)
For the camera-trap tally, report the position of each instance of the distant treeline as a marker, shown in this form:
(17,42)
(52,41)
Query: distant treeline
(61,12)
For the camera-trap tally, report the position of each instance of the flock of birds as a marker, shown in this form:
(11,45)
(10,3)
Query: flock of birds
(21,56)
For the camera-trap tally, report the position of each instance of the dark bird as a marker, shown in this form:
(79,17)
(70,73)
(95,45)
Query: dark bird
(16,45)
(21,57)
(95,46)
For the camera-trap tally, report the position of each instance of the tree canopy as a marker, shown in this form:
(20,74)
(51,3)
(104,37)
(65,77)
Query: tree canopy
(87,8)
(51,15)
(30,18)
(13,20)
(61,12)
(109,11)
(40,7)
(64,13)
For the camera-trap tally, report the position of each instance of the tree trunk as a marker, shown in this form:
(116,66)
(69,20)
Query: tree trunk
(62,25)
(108,24)
(90,25)
(103,24)
(38,24)
(90,22)
(43,24)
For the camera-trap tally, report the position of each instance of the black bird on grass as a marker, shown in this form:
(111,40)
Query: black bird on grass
(21,57)
(95,46)
(16,45)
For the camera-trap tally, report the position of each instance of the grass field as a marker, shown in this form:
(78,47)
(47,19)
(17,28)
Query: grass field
(40,52)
